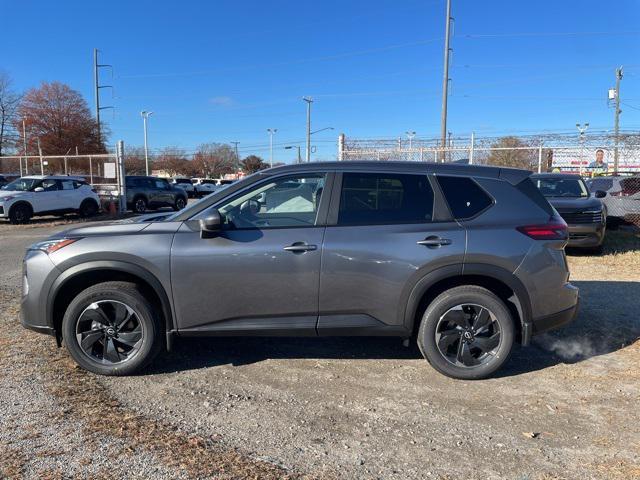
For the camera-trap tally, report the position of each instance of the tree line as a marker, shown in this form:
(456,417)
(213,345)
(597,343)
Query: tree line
(54,119)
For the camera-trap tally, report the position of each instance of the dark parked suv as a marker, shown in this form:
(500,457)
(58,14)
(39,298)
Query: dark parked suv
(145,193)
(464,259)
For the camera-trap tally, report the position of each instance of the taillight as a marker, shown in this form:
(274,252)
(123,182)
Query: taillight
(555,229)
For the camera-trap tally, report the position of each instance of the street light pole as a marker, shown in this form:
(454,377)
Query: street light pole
(145,116)
(298,147)
(445,83)
(309,101)
(582,129)
(410,135)
(272,132)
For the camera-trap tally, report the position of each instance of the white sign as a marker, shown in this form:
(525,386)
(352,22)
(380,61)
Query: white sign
(598,160)
(109,170)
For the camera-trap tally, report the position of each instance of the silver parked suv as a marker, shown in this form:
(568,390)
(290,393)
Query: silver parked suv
(465,259)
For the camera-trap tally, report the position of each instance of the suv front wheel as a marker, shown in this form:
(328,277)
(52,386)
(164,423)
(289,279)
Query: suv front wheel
(111,329)
(467,332)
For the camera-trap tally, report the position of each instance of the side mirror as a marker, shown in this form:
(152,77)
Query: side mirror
(600,194)
(211,226)
(38,189)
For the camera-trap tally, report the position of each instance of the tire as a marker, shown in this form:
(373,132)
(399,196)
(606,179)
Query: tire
(88,208)
(180,203)
(20,213)
(482,335)
(109,348)
(139,205)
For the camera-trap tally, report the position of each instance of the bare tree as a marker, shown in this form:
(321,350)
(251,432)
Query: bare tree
(510,153)
(9,101)
(173,161)
(134,161)
(252,164)
(214,160)
(59,116)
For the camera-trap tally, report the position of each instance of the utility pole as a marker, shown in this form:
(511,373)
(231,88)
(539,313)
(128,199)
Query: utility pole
(309,101)
(41,159)
(145,117)
(237,163)
(96,82)
(616,125)
(272,132)
(445,81)
(24,139)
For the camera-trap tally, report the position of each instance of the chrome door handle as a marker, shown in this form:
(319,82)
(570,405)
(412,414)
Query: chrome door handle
(434,242)
(299,247)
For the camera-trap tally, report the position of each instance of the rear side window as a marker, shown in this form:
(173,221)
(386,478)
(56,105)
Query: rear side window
(465,197)
(385,198)
(535,195)
(630,186)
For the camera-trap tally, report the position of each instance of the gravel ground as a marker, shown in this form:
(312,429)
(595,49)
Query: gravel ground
(335,407)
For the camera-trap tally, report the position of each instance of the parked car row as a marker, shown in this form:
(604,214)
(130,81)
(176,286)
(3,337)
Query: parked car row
(200,187)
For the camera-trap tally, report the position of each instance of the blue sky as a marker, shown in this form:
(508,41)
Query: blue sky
(220,71)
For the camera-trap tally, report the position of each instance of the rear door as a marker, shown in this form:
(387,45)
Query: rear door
(385,232)
(69,195)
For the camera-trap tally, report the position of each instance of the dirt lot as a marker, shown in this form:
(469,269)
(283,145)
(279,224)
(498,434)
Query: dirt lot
(567,407)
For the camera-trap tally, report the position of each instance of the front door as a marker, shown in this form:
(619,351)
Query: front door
(262,272)
(386,235)
(49,198)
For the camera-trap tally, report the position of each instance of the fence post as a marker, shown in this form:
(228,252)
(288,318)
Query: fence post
(90,171)
(121,179)
(473,137)
(421,154)
(540,159)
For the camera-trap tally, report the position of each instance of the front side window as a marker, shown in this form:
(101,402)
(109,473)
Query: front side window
(385,198)
(50,185)
(282,202)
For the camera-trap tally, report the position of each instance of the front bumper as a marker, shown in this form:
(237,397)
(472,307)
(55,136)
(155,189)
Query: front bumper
(556,320)
(38,273)
(590,235)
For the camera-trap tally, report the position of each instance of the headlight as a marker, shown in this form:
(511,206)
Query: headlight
(50,246)
(598,210)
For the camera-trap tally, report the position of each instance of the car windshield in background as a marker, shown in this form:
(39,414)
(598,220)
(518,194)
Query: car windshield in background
(562,187)
(182,180)
(21,185)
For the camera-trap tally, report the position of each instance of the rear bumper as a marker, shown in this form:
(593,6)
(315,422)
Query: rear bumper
(590,235)
(554,321)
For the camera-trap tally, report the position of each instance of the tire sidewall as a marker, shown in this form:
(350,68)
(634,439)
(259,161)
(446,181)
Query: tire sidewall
(449,299)
(88,208)
(146,315)
(16,208)
(135,205)
(178,200)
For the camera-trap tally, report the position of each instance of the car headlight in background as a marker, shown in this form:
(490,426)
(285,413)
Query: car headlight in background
(50,246)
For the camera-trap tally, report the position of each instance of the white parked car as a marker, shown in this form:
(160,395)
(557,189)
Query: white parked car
(46,195)
(185,184)
(204,186)
(623,196)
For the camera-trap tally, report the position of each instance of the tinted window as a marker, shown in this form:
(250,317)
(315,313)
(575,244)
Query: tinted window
(600,184)
(66,184)
(465,197)
(385,198)
(160,184)
(630,186)
(561,187)
(50,185)
(281,202)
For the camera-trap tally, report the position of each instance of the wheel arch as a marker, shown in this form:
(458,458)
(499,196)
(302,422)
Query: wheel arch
(79,277)
(21,202)
(496,279)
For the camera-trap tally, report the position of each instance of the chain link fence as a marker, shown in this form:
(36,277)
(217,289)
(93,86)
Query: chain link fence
(608,163)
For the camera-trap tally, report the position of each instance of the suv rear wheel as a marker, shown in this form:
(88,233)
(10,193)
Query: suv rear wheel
(111,329)
(179,204)
(88,208)
(467,332)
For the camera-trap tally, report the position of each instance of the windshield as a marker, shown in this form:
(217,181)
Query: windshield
(562,187)
(21,185)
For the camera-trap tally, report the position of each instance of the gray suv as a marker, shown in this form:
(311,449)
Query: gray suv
(464,259)
(145,193)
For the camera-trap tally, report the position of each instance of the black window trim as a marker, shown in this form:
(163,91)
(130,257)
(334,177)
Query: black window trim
(477,214)
(321,216)
(438,214)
